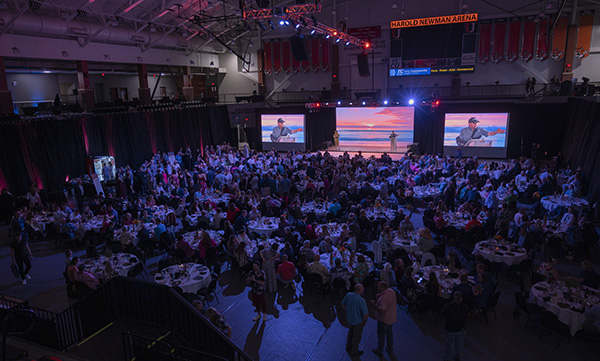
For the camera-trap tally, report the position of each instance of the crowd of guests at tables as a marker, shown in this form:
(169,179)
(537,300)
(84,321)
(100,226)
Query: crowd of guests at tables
(151,210)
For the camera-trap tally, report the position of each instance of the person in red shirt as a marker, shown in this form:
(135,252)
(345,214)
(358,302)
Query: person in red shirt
(184,246)
(286,272)
(311,231)
(473,222)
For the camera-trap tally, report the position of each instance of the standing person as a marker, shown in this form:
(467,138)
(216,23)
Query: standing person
(356,315)
(336,140)
(386,307)
(21,256)
(256,278)
(394,146)
(532,88)
(527,86)
(456,314)
(269,256)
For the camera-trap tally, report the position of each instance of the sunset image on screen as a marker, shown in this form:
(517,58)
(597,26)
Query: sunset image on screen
(367,128)
(491,122)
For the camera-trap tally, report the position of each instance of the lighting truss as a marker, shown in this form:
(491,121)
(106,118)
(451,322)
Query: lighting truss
(301,9)
(327,31)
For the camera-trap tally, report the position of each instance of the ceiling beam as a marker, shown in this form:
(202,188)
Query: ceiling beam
(12,20)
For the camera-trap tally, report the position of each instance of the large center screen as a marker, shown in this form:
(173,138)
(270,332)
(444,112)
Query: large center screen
(477,134)
(282,131)
(374,129)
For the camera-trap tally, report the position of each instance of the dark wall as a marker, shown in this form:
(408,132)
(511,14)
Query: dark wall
(48,151)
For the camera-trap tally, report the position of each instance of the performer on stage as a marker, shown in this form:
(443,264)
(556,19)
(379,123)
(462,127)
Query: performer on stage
(281,130)
(473,132)
(394,147)
(336,140)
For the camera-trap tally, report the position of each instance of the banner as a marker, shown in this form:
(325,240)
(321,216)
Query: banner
(325,54)
(584,35)
(315,64)
(277,57)
(499,40)
(514,34)
(542,40)
(438,20)
(285,56)
(268,66)
(527,49)
(485,34)
(559,38)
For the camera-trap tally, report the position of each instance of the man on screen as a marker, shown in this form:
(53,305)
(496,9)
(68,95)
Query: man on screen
(281,131)
(473,132)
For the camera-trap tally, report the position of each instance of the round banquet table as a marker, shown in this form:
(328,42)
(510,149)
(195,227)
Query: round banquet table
(432,191)
(190,237)
(408,244)
(446,278)
(191,277)
(264,225)
(122,264)
(570,309)
(501,252)
(327,262)
(552,202)
(457,220)
(319,209)
(373,213)
(334,230)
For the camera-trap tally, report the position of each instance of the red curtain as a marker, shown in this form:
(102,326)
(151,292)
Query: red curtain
(268,66)
(485,34)
(325,54)
(277,57)
(499,40)
(285,57)
(542,40)
(559,38)
(314,55)
(527,50)
(295,65)
(514,34)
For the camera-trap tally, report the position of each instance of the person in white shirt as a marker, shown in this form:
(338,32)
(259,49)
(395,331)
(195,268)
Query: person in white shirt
(568,219)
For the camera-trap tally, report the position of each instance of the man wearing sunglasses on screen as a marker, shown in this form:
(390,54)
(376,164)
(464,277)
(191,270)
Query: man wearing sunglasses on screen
(281,132)
(472,135)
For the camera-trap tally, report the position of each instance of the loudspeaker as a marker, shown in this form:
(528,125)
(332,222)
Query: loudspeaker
(298,50)
(363,65)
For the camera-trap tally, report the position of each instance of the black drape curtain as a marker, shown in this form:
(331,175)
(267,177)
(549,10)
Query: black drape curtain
(429,130)
(320,127)
(582,142)
(49,151)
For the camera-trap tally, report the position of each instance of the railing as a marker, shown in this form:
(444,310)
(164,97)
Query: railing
(144,348)
(124,297)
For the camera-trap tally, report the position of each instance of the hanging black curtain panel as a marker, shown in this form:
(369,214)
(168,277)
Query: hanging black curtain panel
(582,143)
(50,150)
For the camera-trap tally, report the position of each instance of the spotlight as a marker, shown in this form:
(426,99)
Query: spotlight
(281,22)
(364,103)
(328,36)
(286,22)
(271,25)
(312,32)
(65,53)
(296,25)
(16,50)
(347,43)
(350,103)
(367,45)
(411,101)
(337,40)
(339,102)
(385,102)
(261,25)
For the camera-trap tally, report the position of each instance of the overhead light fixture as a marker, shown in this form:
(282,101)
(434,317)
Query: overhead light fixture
(337,40)
(312,32)
(261,25)
(34,5)
(297,25)
(139,58)
(152,27)
(286,22)
(82,13)
(65,53)
(192,62)
(106,57)
(394,5)
(16,50)
(328,36)
(271,25)
(212,63)
(385,102)
(281,22)
(347,43)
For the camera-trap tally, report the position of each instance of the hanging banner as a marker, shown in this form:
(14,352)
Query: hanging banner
(499,40)
(512,45)
(268,66)
(285,56)
(485,34)
(542,53)
(305,65)
(584,34)
(325,55)
(314,46)
(559,37)
(277,57)
(527,49)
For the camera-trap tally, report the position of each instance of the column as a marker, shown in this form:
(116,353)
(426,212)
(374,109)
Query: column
(260,57)
(85,93)
(188,89)
(144,90)
(6,101)
(567,74)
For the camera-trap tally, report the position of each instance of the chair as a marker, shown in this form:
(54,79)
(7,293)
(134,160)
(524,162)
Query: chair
(316,281)
(529,308)
(338,285)
(136,270)
(206,291)
(428,257)
(491,305)
(550,322)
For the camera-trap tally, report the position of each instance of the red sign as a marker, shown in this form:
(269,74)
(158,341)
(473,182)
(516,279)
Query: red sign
(366,32)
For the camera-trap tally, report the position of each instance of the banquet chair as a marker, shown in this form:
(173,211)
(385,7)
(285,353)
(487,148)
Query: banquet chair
(428,257)
(377,253)
(315,281)
(491,305)
(551,323)
(207,291)
(521,305)
(338,285)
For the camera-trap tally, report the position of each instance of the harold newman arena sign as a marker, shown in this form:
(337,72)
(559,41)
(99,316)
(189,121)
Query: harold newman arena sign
(438,20)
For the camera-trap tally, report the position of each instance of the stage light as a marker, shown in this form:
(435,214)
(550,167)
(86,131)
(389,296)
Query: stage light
(261,25)
(286,22)
(328,36)
(347,43)
(367,45)
(350,103)
(312,32)
(281,22)
(411,101)
(339,102)
(297,26)
(337,40)
(335,33)
(364,103)
(271,25)
(385,102)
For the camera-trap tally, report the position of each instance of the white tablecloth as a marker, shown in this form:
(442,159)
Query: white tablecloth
(432,191)
(408,244)
(122,264)
(494,252)
(192,277)
(320,209)
(264,225)
(325,258)
(552,202)
(442,273)
(563,309)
